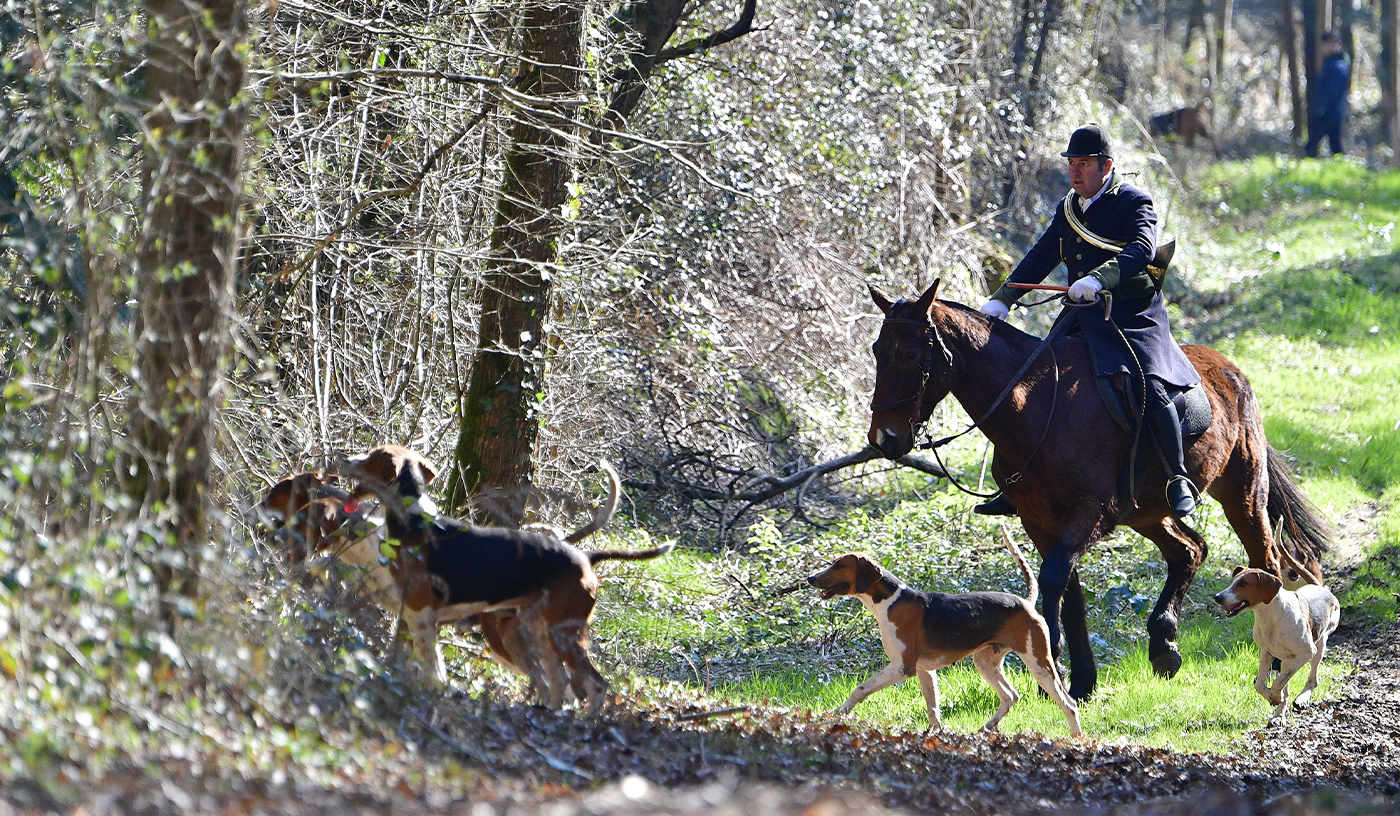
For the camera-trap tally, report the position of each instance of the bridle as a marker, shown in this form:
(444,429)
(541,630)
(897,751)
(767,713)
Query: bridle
(932,340)
(935,340)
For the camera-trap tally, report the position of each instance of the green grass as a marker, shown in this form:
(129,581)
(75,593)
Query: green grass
(1204,708)
(1317,330)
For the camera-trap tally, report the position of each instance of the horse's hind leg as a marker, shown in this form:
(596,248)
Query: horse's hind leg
(1183,549)
(1243,492)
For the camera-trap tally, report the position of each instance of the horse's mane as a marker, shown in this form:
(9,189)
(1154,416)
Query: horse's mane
(998,326)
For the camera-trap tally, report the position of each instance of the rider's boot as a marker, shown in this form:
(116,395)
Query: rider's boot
(997,505)
(1166,429)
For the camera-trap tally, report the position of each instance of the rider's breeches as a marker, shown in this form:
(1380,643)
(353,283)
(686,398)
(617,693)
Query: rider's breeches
(1156,395)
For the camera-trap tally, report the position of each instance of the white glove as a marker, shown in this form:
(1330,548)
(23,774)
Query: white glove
(1085,289)
(995,309)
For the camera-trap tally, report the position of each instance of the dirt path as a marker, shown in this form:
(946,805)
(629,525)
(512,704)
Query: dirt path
(1351,739)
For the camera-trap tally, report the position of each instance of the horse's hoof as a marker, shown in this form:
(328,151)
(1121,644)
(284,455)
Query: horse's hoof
(1080,695)
(1167,662)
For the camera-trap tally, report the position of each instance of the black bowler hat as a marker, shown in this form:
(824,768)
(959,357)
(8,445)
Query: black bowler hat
(1090,140)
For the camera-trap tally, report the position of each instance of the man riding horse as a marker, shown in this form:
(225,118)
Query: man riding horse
(1104,232)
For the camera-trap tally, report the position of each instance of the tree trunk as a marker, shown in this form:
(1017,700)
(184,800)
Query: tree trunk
(1317,18)
(1288,34)
(1047,25)
(499,420)
(653,22)
(1195,20)
(1390,74)
(1021,43)
(1224,11)
(185,261)
(1163,29)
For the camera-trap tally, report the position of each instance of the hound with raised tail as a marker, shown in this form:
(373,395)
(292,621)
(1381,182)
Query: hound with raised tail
(449,571)
(309,516)
(924,631)
(1291,626)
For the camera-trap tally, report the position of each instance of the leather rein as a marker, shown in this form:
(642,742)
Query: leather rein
(935,341)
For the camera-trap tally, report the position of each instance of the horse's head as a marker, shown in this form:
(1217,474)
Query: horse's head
(913,371)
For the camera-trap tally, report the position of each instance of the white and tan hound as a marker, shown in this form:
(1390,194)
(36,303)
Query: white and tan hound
(1289,625)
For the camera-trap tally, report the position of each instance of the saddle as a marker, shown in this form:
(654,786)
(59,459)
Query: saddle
(1192,405)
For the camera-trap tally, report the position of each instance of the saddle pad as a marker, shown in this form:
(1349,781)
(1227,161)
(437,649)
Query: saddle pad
(1192,405)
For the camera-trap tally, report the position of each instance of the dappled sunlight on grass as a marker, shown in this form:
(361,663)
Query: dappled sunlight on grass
(1206,707)
(1316,328)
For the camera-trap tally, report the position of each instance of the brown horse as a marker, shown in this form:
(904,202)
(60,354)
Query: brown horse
(1059,454)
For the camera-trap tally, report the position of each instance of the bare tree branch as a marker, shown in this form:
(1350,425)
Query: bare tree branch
(698,44)
(774,486)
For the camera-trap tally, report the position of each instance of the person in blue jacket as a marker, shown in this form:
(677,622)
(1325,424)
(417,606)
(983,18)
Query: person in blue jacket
(1329,98)
(1105,233)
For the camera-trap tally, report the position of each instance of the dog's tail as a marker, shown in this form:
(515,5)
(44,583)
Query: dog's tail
(1032,588)
(630,555)
(605,513)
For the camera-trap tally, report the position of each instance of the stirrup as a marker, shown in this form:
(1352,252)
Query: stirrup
(1182,499)
(997,505)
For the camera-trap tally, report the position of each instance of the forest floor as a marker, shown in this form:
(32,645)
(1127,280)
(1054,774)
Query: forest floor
(690,755)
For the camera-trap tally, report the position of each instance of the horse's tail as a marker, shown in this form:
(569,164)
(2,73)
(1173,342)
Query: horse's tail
(1032,588)
(1305,535)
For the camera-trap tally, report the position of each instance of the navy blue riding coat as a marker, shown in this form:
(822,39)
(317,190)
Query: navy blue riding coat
(1122,215)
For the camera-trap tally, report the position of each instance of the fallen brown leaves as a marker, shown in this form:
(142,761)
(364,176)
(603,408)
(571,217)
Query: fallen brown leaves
(665,750)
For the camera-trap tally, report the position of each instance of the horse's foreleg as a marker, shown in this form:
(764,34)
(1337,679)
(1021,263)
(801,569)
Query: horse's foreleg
(1062,598)
(1055,569)
(1084,672)
(1183,550)
(1063,605)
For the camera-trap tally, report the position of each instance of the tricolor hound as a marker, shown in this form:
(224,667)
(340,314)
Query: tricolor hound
(924,631)
(448,571)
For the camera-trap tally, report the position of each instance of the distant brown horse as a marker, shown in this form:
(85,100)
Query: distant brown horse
(1184,124)
(1060,453)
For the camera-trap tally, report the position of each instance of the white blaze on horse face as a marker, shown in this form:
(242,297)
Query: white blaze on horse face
(884,436)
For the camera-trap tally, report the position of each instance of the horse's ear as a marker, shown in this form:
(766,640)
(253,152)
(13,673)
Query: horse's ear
(881,299)
(925,302)
(1237,571)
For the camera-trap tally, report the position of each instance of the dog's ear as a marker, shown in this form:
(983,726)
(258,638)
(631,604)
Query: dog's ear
(867,575)
(1270,584)
(429,472)
(278,497)
(1237,571)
